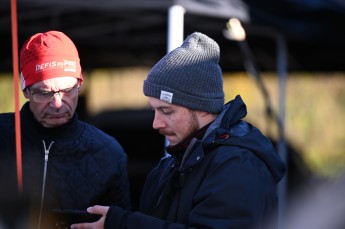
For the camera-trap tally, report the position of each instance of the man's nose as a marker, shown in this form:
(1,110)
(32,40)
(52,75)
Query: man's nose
(57,100)
(158,122)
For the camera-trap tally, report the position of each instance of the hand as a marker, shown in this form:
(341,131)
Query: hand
(101,210)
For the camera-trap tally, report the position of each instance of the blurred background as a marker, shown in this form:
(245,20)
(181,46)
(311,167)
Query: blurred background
(284,57)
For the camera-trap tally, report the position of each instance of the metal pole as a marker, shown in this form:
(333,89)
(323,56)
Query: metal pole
(14,26)
(175,31)
(175,27)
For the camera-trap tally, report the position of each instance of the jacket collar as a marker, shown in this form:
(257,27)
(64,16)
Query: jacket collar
(233,111)
(32,128)
(178,150)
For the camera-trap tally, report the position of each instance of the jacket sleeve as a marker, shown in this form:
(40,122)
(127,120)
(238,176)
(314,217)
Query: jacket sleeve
(120,218)
(235,193)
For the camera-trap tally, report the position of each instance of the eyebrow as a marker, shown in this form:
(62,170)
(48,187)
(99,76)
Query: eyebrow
(162,108)
(36,89)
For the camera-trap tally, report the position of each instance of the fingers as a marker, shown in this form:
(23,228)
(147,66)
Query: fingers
(96,225)
(97,209)
(83,226)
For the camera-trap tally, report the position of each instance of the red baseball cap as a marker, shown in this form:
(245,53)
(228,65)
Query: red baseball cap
(48,55)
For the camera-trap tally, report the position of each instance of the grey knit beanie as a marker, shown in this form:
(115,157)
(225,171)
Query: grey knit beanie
(189,76)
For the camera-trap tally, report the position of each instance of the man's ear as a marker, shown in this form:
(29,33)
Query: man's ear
(203,113)
(26,93)
(205,117)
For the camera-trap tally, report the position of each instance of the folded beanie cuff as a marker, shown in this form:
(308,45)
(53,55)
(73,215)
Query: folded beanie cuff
(211,105)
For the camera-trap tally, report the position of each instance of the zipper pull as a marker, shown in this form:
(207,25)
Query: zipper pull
(46,152)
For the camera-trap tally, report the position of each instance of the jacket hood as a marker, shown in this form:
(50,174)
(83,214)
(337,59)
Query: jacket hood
(229,129)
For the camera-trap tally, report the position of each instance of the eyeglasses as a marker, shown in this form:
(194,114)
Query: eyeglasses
(47,96)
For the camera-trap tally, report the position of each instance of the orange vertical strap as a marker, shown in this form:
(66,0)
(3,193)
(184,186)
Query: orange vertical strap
(16,95)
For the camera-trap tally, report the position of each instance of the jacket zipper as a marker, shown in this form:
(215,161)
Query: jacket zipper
(179,169)
(46,154)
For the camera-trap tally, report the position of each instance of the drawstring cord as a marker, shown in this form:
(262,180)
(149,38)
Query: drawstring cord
(46,153)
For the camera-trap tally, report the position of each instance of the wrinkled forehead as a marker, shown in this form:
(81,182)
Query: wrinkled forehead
(57,82)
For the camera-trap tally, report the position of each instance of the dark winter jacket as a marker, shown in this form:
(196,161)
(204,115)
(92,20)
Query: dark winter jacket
(70,167)
(226,180)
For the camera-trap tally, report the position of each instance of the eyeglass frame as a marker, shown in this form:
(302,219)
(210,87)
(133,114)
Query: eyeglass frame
(52,93)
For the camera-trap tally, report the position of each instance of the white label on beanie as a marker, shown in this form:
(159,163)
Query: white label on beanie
(166,96)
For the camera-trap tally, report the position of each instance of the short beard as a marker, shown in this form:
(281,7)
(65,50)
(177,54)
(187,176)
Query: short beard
(194,124)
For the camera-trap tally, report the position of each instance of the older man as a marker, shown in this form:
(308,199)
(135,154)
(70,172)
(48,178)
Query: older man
(67,163)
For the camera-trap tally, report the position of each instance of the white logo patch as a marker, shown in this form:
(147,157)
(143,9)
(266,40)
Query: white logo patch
(166,96)
(67,65)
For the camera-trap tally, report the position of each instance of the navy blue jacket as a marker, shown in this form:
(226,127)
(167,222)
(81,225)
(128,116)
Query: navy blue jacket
(85,166)
(226,180)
